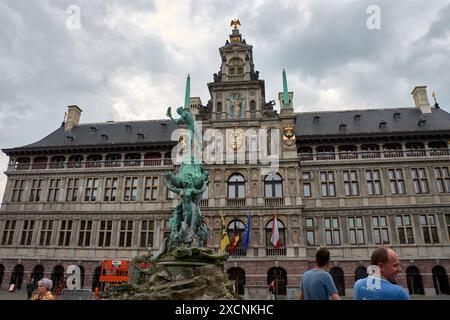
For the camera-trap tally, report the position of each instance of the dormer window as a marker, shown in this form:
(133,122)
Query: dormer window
(164,126)
(140,136)
(397,115)
(93,129)
(316,119)
(342,127)
(357,117)
(70,138)
(104,137)
(128,127)
(382,124)
(421,122)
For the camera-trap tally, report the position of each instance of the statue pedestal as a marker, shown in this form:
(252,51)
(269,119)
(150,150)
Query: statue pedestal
(180,267)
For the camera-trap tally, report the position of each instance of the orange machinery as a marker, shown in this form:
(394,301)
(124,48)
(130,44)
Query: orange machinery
(114,271)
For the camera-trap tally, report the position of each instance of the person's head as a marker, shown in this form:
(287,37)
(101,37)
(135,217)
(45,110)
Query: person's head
(180,110)
(322,258)
(44,285)
(388,262)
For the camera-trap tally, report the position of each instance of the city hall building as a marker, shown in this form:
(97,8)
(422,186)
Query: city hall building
(347,181)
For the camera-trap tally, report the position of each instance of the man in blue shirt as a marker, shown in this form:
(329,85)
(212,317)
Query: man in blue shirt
(317,283)
(380,285)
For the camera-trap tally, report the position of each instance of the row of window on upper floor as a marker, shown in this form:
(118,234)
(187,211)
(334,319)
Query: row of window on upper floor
(332,228)
(371,151)
(236,186)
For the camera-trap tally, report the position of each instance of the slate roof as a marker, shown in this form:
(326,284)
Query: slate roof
(347,123)
(329,124)
(107,134)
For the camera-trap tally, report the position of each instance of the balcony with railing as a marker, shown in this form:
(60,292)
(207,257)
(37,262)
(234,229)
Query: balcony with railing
(238,252)
(374,154)
(275,251)
(203,202)
(274,202)
(236,202)
(79,164)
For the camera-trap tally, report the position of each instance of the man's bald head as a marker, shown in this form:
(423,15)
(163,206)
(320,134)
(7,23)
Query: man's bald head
(388,262)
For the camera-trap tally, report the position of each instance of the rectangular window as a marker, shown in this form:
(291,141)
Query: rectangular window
(443,179)
(130,189)
(380,230)
(356,230)
(125,233)
(8,232)
(151,188)
(396,181)
(84,236)
(65,231)
(53,190)
(306,178)
(104,233)
(404,229)
(373,178)
(327,184)
(332,232)
(420,181)
(17,195)
(90,193)
(310,232)
(429,228)
(351,183)
(46,232)
(27,232)
(72,189)
(36,188)
(147,230)
(110,189)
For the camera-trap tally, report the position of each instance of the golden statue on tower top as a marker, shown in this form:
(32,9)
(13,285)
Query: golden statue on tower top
(235,23)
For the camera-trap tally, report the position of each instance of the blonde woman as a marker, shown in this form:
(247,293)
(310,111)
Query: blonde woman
(43,290)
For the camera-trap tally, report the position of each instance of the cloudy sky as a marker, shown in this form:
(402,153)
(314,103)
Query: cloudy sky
(129,59)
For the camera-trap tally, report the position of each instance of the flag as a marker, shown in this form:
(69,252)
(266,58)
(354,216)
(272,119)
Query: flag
(235,241)
(225,240)
(247,233)
(275,239)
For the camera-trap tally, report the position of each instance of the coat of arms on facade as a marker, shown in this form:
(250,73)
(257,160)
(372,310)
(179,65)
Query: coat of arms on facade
(288,136)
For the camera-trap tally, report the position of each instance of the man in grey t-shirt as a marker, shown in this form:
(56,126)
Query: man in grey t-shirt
(317,283)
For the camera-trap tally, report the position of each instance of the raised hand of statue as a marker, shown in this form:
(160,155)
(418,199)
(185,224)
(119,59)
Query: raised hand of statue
(169,112)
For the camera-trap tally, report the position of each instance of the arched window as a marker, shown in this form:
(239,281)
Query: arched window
(219,106)
(57,162)
(39,163)
(237,275)
(438,148)
(279,276)
(236,186)
(2,273)
(273,186)
(57,276)
(281,233)
(96,278)
(113,160)
(360,273)
(414,280)
(152,159)
(392,150)
(82,274)
(132,160)
(38,274)
(94,161)
(440,280)
(236,66)
(252,105)
(338,278)
(17,276)
(75,161)
(23,164)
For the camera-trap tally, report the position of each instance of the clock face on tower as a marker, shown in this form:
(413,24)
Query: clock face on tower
(235,139)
